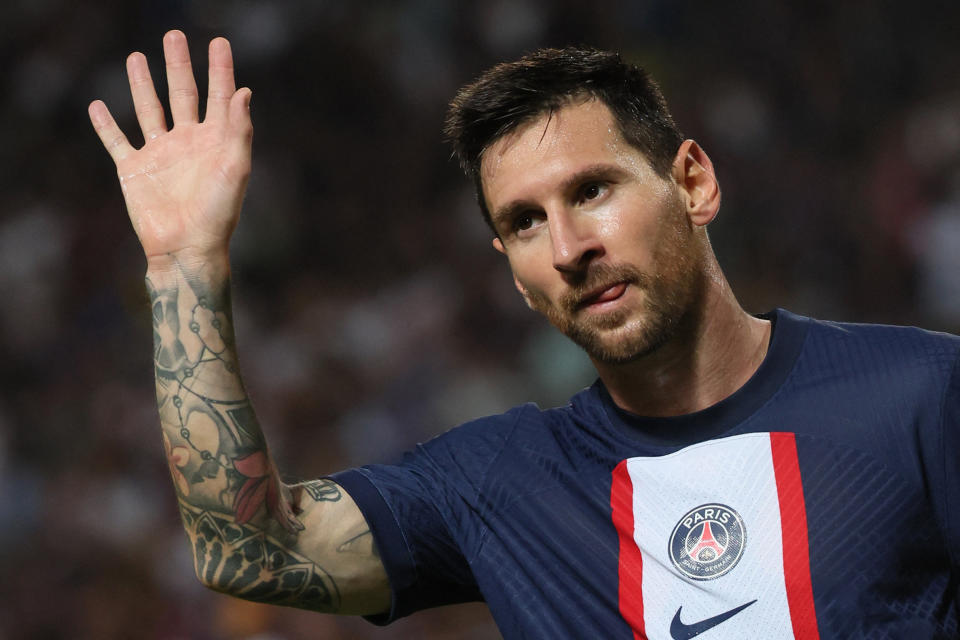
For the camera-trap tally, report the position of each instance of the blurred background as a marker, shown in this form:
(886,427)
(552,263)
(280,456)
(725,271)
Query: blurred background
(372,312)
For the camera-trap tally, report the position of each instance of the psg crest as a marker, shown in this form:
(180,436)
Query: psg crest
(707,542)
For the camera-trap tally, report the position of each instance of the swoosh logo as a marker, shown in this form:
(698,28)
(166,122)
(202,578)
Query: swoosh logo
(681,631)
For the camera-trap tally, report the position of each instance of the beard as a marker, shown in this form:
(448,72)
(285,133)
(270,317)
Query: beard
(627,333)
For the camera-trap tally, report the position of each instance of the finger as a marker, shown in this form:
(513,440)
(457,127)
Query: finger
(222,85)
(107,130)
(145,101)
(180,80)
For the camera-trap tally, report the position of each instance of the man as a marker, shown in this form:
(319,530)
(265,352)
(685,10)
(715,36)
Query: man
(727,476)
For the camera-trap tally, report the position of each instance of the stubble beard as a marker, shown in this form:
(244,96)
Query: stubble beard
(626,334)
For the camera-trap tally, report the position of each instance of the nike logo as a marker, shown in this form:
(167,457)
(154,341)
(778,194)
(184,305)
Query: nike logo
(681,631)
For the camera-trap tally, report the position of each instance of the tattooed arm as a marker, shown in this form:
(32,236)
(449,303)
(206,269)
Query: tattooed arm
(251,536)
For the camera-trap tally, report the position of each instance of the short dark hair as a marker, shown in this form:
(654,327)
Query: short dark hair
(512,93)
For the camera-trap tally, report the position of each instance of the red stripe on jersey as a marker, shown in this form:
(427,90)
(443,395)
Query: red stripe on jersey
(793,525)
(631,561)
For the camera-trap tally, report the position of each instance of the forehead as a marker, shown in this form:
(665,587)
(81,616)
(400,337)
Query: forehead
(575,136)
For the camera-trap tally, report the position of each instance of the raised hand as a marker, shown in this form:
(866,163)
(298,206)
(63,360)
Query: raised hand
(185,186)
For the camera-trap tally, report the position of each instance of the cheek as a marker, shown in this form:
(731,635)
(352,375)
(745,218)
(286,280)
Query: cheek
(609,222)
(636,239)
(538,302)
(531,284)
(531,264)
(660,232)
(675,251)
(636,216)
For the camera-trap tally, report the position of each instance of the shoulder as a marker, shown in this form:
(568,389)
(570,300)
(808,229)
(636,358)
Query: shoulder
(876,331)
(901,341)
(481,441)
(502,449)
(910,357)
(483,437)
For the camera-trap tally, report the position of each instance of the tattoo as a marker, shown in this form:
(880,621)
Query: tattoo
(323,490)
(245,561)
(215,448)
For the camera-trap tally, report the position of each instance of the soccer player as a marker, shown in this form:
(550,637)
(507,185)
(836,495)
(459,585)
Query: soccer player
(727,476)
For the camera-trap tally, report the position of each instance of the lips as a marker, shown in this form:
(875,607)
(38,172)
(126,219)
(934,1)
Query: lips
(602,294)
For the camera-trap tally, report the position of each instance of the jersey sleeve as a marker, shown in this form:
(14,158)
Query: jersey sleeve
(425,514)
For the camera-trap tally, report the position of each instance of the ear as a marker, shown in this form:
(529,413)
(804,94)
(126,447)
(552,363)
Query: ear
(693,173)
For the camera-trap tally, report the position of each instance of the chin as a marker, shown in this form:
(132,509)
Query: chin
(627,342)
(634,331)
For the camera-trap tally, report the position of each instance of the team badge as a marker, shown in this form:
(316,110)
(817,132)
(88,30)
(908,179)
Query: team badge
(707,542)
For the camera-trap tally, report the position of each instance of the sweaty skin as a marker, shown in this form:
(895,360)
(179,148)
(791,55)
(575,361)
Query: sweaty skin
(617,257)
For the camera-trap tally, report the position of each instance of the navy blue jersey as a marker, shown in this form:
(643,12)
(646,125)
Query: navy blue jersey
(818,501)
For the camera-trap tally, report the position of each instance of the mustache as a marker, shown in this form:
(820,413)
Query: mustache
(599,277)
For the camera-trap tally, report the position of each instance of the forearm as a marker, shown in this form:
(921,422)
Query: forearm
(209,428)
(224,477)
(246,539)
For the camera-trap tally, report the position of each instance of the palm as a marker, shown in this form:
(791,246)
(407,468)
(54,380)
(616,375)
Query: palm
(184,187)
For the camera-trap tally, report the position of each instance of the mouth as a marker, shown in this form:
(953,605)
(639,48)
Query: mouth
(602,296)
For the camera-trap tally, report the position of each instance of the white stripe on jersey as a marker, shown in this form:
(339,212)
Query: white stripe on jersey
(736,473)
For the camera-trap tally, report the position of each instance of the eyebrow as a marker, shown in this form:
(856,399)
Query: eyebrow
(587,174)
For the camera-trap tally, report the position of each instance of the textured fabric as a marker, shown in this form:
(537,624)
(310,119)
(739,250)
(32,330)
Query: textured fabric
(819,500)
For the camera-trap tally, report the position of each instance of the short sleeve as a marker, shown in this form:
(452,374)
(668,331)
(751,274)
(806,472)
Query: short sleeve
(424,562)
(427,512)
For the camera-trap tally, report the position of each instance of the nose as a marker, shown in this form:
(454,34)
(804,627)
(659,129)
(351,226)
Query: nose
(575,241)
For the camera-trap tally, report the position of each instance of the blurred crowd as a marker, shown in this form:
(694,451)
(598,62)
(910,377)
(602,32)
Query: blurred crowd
(372,312)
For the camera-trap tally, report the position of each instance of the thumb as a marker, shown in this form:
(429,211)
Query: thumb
(239,138)
(239,115)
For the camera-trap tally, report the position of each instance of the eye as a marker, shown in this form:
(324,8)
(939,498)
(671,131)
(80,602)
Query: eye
(592,191)
(523,221)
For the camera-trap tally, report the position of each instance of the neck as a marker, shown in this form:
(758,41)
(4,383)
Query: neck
(715,350)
